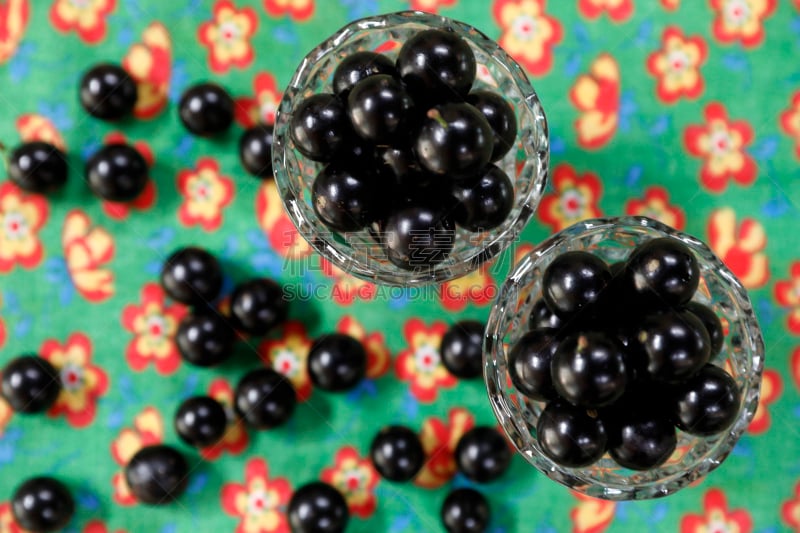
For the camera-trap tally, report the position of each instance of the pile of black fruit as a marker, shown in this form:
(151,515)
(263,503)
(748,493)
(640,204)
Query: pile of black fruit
(622,357)
(409,150)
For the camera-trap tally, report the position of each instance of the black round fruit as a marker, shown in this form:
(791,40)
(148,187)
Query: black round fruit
(108,92)
(712,324)
(573,281)
(201,421)
(319,127)
(157,474)
(589,369)
(318,508)
(37,167)
(676,344)
(255,150)
(542,317)
(437,65)
(358,66)
(206,109)
(257,306)
(397,453)
(264,398)
(378,107)
(205,339)
(707,403)
(641,440)
(345,199)
(117,173)
(484,203)
(569,436)
(500,116)
(30,384)
(529,364)
(465,510)
(191,275)
(42,504)
(462,349)
(418,237)
(337,362)
(663,272)
(482,454)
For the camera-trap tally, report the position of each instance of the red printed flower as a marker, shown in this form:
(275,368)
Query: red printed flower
(205,193)
(420,363)
(771,388)
(22,216)
(741,20)
(120,210)
(671,4)
(575,198)
(528,34)
(86,249)
(288,354)
(14,15)
(260,503)
(742,248)
(596,96)
(439,440)
(82,382)
(655,205)
(275,223)
(795,366)
(35,127)
(153,324)
(431,6)
(147,430)
(721,143)
(5,415)
(618,10)
(346,288)
(235,440)
(149,63)
(96,526)
(228,35)
(787,293)
(790,122)
(790,511)
(296,9)
(477,288)
(356,478)
(7,522)
(676,65)
(717,517)
(87,17)
(261,108)
(591,515)
(378,356)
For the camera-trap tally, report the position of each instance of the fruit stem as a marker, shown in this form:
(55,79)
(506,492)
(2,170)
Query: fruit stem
(435,115)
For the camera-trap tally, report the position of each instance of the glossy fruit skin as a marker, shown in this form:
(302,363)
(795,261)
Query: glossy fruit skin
(37,167)
(358,66)
(418,237)
(108,92)
(30,384)
(192,276)
(42,504)
(569,436)
(663,272)
(319,127)
(465,510)
(200,421)
(205,339)
(707,403)
(462,349)
(500,116)
(437,65)
(712,324)
(117,173)
(486,202)
(318,508)
(482,454)
(206,109)
(257,306)
(588,369)
(255,150)
(337,362)
(529,364)
(399,165)
(573,281)
(378,107)
(396,453)
(157,474)
(541,317)
(264,398)
(455,141)
(642,440)
(676,344)
(345,199)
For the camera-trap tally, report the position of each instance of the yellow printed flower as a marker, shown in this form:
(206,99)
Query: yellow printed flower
(205,193)
(741,20)
(228,35)
(22,215)
(676,65)
(87,17)
(528,33)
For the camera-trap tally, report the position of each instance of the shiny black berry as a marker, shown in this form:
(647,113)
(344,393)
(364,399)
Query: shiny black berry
(569,435)
(465,510)
(157,474)
(641,440)
(589,369)
(200,421)
(345,198)
(378,107)
(42,504)
(257,306)
(319,127)
(255,150)
(337,362)
(30,384)
(484,203)
(264,398)
(454,141)
(676,345)
(117,173)
(318,508)
(108,92)
(418,237)
(529,363)
(500,116)
(663,272)
(358,66)
(462,349)
(482,454)
(437,65)
(712,324)
(192,276)
(37,167)
(573,281)
(706,403)
(206,109)
(205,339)
(397,453)
(541,317)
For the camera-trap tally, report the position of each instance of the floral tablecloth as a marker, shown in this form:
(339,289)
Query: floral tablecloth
(687,111)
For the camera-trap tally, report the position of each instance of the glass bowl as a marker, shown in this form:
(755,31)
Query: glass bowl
(612,239)
(357,253)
